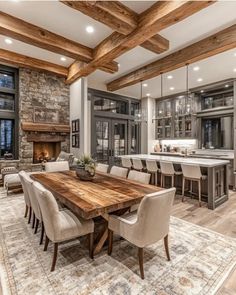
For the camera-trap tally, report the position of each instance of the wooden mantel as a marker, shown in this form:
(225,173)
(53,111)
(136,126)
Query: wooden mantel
(44,127)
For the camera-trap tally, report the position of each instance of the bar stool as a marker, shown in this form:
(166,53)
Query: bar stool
(126,163)
(137,164)
(152,168)
(167,169)
(192,173)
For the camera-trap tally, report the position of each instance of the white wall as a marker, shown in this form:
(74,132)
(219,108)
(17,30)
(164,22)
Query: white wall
(80,109)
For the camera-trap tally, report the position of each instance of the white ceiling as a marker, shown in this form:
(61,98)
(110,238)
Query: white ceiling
(69,23)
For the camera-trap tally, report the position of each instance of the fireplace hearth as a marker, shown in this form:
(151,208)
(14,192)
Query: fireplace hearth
(45,151)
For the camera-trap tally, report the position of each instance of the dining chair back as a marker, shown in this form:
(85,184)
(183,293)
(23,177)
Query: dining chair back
(102,167)
(137,164)
(26,194)
(126,162)
(57,166)
(119,171)
(139,176)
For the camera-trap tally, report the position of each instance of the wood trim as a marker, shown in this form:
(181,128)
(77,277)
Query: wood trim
(212,45)
(42,127)
(118,17)
(35,137)
(31,34)
(161,15)
(30,62)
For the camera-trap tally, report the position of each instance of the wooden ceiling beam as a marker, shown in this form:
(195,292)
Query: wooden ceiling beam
(28,33)
(161,15)
(215,44)
(118,17)
(20,60)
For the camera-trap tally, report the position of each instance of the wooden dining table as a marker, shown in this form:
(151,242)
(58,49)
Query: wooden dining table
(104,195)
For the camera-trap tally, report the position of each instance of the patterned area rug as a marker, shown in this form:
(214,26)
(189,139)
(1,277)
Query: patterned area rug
(201,260)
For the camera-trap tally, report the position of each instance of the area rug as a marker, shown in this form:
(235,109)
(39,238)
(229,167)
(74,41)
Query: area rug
(200,261)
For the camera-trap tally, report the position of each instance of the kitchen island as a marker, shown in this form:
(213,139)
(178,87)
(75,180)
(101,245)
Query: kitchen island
(214,188)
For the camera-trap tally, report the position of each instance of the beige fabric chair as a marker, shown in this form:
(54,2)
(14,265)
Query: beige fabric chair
(137,164)
(63,156)
(119,171)
(152,168)
(192,173)
(26,195)
(12,181)
(139,176)
(61,226)
(146,226)
(126,163)
(167,169)
(56,166)
(102,168)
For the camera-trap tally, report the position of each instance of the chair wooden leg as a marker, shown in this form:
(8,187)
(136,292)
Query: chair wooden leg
(26,211)
(140,258)
(110,241)
(183,186)
(30,213)
(46,244)
(199,193)
(36,226)
(91,240)
(54,260)
(33,220)
(167,247)
(42,234)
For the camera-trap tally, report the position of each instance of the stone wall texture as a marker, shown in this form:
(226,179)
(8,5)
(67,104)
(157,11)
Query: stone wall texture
(43,91)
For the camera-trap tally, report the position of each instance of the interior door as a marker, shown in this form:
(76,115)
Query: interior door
(119,140)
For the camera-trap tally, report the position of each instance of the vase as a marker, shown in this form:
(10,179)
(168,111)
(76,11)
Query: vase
(83,174)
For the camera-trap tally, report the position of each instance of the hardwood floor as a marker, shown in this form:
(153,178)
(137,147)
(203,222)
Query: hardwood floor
(221,220)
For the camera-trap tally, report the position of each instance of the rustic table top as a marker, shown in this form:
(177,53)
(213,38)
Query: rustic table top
(104,194)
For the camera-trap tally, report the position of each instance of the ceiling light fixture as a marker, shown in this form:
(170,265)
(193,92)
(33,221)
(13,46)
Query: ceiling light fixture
(118,65)
(196,68)
(170,77)
(199,79)
(89,29)
(5,75)
(8,41)
(148,94)
(63,58)
(235,54)
(202,91)
(172,88)
(235,70)
(145,85)
(227,85)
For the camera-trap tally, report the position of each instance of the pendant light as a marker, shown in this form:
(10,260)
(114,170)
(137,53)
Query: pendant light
(188,98)
(140,114)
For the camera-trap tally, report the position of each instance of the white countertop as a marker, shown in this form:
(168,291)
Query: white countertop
(181,160)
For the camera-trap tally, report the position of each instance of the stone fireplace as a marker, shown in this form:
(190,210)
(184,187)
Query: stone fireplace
(45,151)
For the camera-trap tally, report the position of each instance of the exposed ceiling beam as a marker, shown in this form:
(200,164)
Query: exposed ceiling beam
(118,17)
(28,33)
(217,43)
(30,62)
(158,17)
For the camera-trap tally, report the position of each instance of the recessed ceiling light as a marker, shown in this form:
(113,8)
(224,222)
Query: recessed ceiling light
(172,88)
(118,65)
(181,96)
(170,77)
(202,91)
(199,79)
(196,68)
(5,75)
(90,29)
(148,94)
(145,85)
(235,70)
(226,85)
(235,54)
(8,41)
(63,58)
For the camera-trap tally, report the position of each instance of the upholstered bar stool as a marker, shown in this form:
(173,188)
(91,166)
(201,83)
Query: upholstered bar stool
(102,168)
(126,163)
(192,173)
(152,168)
(167,169)
(137,164)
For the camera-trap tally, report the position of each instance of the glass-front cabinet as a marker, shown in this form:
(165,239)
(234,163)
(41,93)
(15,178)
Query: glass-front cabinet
(175,117)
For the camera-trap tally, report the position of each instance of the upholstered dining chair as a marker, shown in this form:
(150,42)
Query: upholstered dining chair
(146,226)
(61,226)
(139,176)
(26,196)
(102,167)
(57,166)
(119,171)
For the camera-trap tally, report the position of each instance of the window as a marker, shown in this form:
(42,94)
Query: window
(8,111)
(110,105)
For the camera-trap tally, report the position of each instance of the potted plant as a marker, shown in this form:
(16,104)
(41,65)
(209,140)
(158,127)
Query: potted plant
(86,167)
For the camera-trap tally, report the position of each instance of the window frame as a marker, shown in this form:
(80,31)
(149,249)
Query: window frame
(12,115)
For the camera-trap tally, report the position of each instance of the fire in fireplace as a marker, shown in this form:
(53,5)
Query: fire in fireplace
(46,151)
